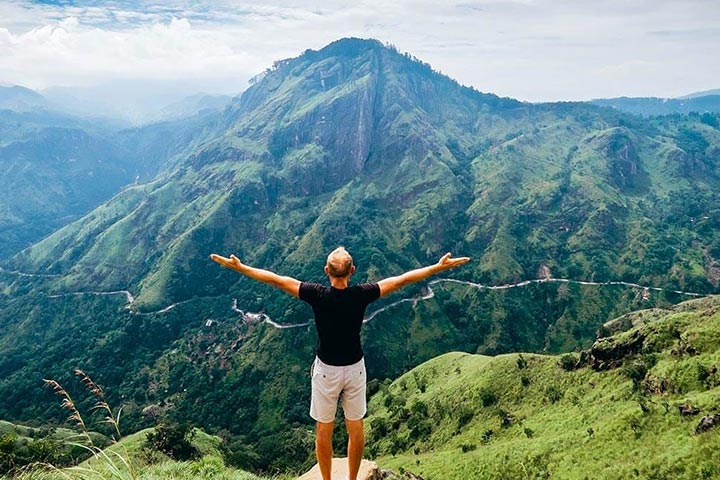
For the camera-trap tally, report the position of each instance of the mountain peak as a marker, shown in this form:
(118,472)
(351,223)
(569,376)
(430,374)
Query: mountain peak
(351,46)
(19,98)
(20,89)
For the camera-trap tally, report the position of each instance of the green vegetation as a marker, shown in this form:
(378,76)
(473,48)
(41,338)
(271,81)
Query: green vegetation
(56,174)
(358,145)
(57,168)
(21,446)
(179,451)
(129,459)
(604,420)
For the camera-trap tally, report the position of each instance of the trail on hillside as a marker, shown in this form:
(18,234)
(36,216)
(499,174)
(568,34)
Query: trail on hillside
(128,295)
(430,293)
(256,317)
(23,274)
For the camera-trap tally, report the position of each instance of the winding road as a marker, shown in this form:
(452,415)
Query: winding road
(262,317)
(23,274)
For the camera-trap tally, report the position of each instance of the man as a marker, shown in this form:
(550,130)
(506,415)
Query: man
(339,368)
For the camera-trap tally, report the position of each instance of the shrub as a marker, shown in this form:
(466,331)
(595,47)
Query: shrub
(521,362)
(398,445)
(378,428)
(373,387)
(173,440)
(569,362)
(7,453)
(553,393)
(420,381)
(506,418)
(468,447)
(464,417)
(488,397)
(635,425)
(419,431)
(637,369)
(707,376)
(418,408)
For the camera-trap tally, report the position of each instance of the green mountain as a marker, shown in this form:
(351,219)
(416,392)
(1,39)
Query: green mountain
(356,144)
(631,406)
(56,168)
(51,175)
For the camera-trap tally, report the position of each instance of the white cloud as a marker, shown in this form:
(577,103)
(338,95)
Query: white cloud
(533,49)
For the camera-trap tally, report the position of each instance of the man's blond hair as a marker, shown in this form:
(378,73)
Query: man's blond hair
(339,263)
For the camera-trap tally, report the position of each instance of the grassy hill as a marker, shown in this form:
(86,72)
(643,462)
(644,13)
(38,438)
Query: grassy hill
(126,460)
(516,416)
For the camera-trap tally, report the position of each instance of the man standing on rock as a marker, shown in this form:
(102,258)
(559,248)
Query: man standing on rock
(339,368)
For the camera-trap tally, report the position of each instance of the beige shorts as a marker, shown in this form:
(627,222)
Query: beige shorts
(330,383)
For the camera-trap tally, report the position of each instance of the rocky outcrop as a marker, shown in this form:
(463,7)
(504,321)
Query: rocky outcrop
(607,353)
(708,422)
(622,154)
(688,410)
(544,272)
(629,321)
(388,475)
(368,471)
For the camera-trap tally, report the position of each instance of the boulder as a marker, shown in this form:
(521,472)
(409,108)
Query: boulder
(707,422)
(368,471)
(687,410)
(609,352)
(390,475)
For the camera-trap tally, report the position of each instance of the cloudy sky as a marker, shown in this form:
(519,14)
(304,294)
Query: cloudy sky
(536,50)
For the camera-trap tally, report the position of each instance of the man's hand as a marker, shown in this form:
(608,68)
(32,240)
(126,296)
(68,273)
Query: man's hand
(233,262)
(287,284)
(391,284)
(446,262)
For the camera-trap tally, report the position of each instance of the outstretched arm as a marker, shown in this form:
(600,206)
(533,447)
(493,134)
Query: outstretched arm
(391,284)
(287,284)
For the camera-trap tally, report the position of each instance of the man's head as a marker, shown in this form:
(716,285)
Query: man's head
(339,263)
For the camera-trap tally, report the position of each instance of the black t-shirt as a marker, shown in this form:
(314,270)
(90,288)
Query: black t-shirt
(339,314)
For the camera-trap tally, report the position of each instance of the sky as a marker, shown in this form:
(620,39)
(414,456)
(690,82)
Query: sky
(533,50)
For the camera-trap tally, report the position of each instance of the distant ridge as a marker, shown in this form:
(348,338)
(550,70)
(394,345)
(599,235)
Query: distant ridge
(704,93)
(703,102)
(20,99)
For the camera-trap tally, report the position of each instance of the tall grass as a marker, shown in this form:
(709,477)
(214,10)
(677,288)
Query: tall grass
(118,462)
(101,464)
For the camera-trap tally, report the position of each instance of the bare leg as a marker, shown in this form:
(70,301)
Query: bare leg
(356,445)
(323,448)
